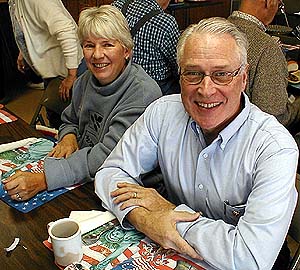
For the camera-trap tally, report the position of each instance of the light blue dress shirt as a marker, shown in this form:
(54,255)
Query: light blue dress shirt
(243,182)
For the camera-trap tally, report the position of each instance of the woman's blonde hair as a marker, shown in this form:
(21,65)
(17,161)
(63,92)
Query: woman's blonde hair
(105,21)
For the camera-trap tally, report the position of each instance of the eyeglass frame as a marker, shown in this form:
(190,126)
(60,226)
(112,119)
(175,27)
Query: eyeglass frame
(231,74)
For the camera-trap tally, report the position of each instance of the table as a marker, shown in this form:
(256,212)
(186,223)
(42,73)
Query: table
(32,227)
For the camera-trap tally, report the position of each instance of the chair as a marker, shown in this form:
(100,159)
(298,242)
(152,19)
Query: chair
(50,100)
(294,231)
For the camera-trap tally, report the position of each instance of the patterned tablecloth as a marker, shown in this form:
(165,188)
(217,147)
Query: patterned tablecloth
(26,155)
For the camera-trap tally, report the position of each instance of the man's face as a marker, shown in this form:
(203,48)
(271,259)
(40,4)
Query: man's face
(212,106)
(270,11)
(163,3)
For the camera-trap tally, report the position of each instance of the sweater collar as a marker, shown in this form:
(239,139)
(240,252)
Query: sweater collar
(248,17)
(113,86)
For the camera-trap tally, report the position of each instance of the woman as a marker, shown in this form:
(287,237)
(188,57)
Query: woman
(106,100)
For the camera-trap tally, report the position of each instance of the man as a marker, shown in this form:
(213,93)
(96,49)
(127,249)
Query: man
(268,72)
(154,39)
(228,167)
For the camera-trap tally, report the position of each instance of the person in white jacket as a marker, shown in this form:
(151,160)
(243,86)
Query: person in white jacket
(46,35)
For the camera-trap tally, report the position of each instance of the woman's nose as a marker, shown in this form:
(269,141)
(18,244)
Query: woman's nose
(98,52)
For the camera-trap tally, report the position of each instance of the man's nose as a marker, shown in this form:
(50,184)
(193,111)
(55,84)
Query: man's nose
(206,87)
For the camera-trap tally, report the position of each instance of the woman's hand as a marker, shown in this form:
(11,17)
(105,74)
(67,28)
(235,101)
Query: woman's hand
(22,186)
(66,85)
(67,146)
(21,63)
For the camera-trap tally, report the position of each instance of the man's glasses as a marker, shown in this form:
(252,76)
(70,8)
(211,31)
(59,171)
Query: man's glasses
(218,77)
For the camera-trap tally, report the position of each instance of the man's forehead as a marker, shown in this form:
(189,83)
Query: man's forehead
(221,40)
(209,48)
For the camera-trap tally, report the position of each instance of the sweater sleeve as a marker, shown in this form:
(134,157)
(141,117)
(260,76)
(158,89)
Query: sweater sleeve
(83,164)
(271,99)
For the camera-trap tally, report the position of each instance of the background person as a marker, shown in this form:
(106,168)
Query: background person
(155,40)
(46,35)
(228,167)
(107,99)
(268,71)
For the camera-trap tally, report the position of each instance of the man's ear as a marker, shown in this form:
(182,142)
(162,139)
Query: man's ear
(245,75)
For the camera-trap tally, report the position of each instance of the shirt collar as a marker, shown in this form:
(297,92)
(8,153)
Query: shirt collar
(248,17)
(232,128)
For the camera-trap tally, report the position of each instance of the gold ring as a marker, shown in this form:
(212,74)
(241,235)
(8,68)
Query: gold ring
(18,196)
(134,195)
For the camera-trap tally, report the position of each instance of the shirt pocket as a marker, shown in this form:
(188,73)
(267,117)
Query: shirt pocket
(232,213)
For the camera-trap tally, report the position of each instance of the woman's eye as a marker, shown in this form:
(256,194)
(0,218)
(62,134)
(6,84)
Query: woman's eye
(88,46)
(108,44)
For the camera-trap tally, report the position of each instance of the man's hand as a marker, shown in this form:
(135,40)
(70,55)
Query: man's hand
(155,217)
(65,147)
(23,185)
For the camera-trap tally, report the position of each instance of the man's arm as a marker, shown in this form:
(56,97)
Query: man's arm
(154,216)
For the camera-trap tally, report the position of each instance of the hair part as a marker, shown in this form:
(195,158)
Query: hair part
(214,26)
(105,21)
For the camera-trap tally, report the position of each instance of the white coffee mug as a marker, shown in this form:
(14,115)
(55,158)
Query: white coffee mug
(66,242)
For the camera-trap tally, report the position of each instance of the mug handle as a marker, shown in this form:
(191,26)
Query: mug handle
(48,227)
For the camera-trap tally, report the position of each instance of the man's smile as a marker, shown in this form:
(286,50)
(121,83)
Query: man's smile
(208,105)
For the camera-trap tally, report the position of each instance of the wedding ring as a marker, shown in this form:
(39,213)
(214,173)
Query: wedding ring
(18,197)
(134,195)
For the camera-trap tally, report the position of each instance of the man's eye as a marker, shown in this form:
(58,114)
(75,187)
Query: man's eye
(220,74)
(192,73)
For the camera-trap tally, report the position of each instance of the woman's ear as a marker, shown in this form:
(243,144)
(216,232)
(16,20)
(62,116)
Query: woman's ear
(127,53)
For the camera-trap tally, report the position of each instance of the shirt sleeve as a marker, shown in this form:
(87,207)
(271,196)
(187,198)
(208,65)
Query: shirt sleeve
(135,154)
(169,42)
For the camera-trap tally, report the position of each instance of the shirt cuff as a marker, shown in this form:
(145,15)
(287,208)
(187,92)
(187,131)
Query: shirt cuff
(183,226)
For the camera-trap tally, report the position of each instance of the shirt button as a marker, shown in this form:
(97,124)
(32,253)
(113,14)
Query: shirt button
(205,155)
(200,186)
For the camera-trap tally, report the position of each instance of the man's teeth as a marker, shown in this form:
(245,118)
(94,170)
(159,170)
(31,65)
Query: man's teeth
(100,65)
(208,105)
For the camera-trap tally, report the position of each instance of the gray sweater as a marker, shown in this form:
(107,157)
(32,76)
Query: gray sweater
(99,116)
(267,87)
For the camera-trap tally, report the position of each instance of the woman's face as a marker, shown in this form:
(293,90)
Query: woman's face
(105,58)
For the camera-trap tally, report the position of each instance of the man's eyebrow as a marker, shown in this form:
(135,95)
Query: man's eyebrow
(197,67)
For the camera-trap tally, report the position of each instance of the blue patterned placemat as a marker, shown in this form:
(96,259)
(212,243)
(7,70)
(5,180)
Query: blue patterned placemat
(28,157)
(38,200)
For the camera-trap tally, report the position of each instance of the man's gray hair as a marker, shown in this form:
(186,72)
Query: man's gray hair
(214,26)
(105,21)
